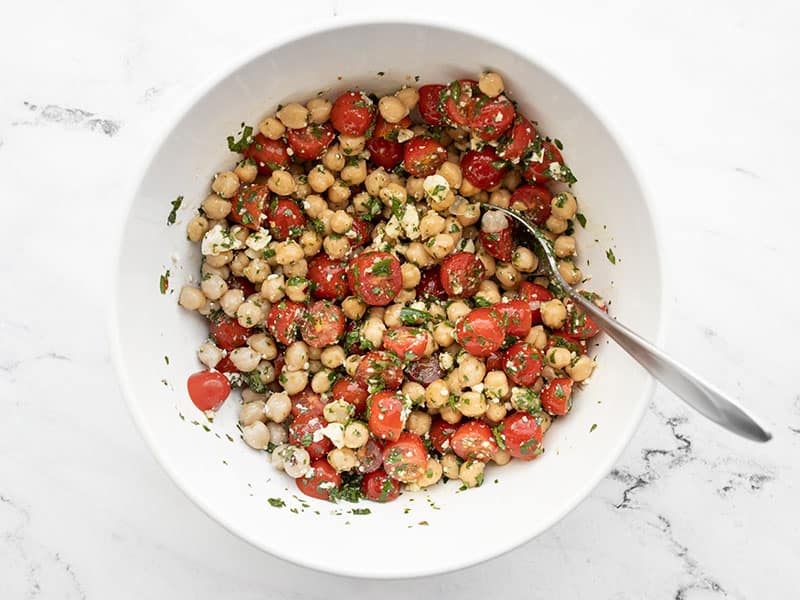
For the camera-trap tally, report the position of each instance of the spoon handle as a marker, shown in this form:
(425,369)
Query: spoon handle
(699,394)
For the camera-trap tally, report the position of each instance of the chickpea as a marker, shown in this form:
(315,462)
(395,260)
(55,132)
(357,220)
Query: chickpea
(393,192)
(414,187)
(440,245)
(488,261)
(582,369)
(431,224)
(314,205)
(372,330)
(356,434)
(281,183)
(293,115)
(450,414)
(556,224)
(338,411)
(442,202)
(215,207)
(219,260)
(502,457)
(444,334)
(296,357)
(245,358)
(226,184)
(392,316)
(392,109)
(207,270)
(431,475)
(415,391)
(408,96)
(209,354)
(249,396)
(246,171)
(339,194)
(496,411)
(405,296)
(471,473)
(416,253)
(491,84)
(471,370)
(341,222)
(471,404)
(450,466)
(336,245)
(501,198)
(564,246)
(354,174)
(252,412)
(437,394)
(332,356)
(419,422)
(571,273)
(467,190)
(558,358)
(293,382)
(334,159)
(512,180)
(468,214)
(319,110)
(524,260)
(294,460)
(507,275)
(342,459)
(353,308)
(264,345)
(256,435)
(278,407)
(273,287)
(287,252)
(563,205)
(231,300)
(191,298)
(272,128)
(196,228)
(489,292)
(239,263)
(351,145)
(213,286)
(451,171)
(257,270)
(554,313)
(537,337)
(311,242)
(320,179)
(278,434)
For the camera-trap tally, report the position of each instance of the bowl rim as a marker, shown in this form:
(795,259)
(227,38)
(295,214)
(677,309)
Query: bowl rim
(167,124)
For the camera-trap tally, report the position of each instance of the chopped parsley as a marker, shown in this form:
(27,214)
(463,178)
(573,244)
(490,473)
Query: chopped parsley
(173,214)
(245,139)
(581,219)
(276,502)
(593,427)
(163,282)
(609,255)
(382,267)
(361,511)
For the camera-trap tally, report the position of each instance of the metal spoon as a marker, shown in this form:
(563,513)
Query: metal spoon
(700,395)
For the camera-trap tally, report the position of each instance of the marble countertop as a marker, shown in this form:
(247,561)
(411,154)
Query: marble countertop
(707,94)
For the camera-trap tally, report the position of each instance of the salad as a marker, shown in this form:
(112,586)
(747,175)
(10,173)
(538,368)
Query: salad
(385,328)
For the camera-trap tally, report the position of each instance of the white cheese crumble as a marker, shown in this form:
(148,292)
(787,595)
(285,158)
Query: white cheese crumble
(258,240)
(404,135)
(464,245)
(218,240)
(555,170)
(538,156)
(494,221)
(334,432)
(446,361)
(410,222)
(436,187)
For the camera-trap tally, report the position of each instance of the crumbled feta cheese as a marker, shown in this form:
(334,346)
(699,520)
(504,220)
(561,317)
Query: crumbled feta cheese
(498,117)
(393,230)
(555,170)
(218,240)
(446,361)
(494,221)
(436,187)
(410,222)
(334,432)
(404,135)
(538,156)
(478,387)
(407,406)
(464,245)
(258,240)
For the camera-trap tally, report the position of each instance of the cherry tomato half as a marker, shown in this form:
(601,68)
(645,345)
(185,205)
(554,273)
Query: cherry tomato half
(208,389)
(352,113)
(405,459)
(310,141)
(409,343)
(375,277)
(457,101)
(499,244)
(523,364)
(518,140)
(247,206)
(481,331)
(422,156)
(547,165)
(483,168)
(430,284)
(379,487)
(491,117)
(534,295)
(429,102)
(301,433)
(522,435)
(307,402)
(426,370)
(268,154)
(517,316)
(385,415)
(379,368)
(328,276)
(322,324)
(385,153)
(285,218)
(534,200)
(474,440)
(461,274)
(440,434)
(349,390)
(322,479)
(227,332)
(283,320)
(557,396)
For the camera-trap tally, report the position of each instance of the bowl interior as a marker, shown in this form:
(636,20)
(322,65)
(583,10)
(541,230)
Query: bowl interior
(232,483)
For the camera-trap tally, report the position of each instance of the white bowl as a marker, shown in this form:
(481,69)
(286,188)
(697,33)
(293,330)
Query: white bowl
(231,482)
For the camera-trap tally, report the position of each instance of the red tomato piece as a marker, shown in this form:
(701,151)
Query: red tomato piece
(385,415)
(483,168)
(322,479)
(227,332)
(517,316)
(286,219)
(534,295)
(369,457)
(278,363)
(379,487)
(499,244)
(426,370)
(352,113)
(226,366)
(283,320)
(385,153)
(307,402)
(240,283)
(406,459)
(247,206)
(389,131)
(518,140)
(494,361)
(310,141)
(534,200)
(362,228)
(375,277)
(540,166)
(349,390)
(576,345)
(430,284)
(522,435)
(379,368)
(301,433)
(458,102)
(481,331)
(269,155)
(492,117)
(461,274)
(557,396)
(322,324)
(474,440)
(440,434)
(408,343)
(328,277)
(208,389)
(579,325)
(353,342)
(429,103)
(422,156)
(523,364)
